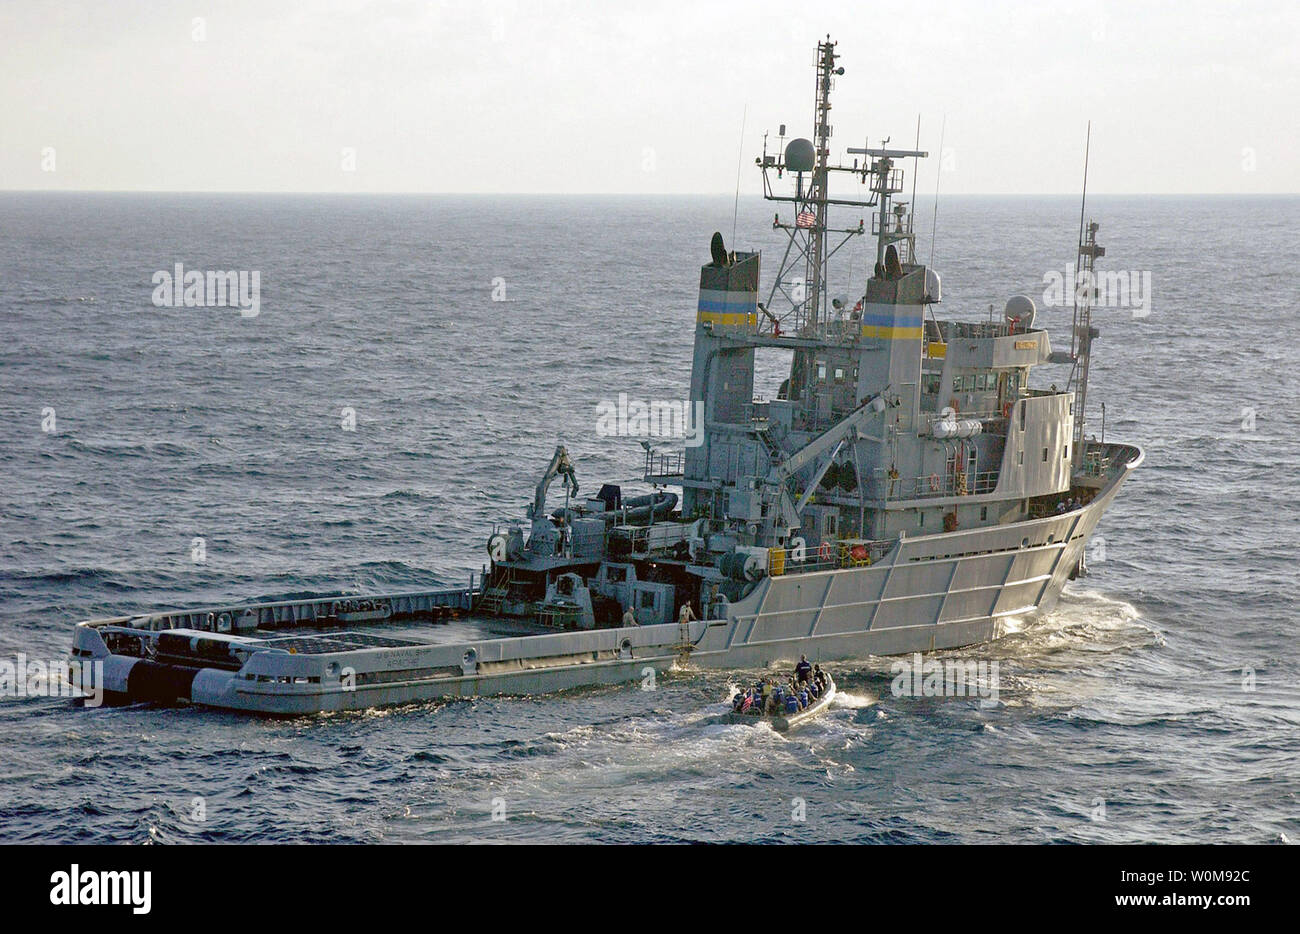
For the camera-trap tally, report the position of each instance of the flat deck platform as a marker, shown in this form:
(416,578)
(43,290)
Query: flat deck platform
(348,637)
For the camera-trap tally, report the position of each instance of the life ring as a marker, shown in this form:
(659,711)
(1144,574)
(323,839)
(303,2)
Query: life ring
(934,483)
(1006,410)
(824,551)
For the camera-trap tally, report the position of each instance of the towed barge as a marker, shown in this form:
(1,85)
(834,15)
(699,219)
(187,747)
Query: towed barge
(904,489)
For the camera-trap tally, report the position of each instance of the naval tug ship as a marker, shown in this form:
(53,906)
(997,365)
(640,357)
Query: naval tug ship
(906,490)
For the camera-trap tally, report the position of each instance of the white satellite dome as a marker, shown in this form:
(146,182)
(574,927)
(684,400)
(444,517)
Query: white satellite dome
(933,287)
(1021,310)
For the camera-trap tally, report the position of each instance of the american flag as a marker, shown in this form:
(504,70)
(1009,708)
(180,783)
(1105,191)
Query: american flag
(805,219)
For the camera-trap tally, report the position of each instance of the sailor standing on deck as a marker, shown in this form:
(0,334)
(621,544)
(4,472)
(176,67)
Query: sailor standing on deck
(629,618)
(803,671)
(687,614)
(819,677)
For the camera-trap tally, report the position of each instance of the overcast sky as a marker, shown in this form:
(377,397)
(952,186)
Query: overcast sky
(549,96)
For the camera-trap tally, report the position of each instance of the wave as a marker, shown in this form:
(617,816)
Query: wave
(132,448)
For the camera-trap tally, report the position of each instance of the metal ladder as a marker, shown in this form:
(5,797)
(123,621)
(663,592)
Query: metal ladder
(684,645)
(494,595)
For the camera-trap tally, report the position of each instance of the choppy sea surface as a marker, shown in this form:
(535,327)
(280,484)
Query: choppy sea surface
(1160,702)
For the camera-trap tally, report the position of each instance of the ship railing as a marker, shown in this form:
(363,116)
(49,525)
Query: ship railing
(843,327)
(828,556)
(1042,507)
(665,465)
(1095,464)
(894,226)
(787,324)
(979,329)
(558,617)
(891,183)
(638,535)
(846,328)
(756,414)
(935,486)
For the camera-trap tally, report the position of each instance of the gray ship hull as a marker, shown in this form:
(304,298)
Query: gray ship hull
(940,591)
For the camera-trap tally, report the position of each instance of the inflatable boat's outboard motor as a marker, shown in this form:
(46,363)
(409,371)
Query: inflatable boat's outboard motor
(611,494)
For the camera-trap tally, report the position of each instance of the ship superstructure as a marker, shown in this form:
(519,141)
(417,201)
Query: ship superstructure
(892,422)
(903,490)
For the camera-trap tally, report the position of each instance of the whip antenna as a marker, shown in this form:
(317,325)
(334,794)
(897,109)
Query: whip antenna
(934,223)
(1083,207)
(916,170)
(1087,151)
(740,159)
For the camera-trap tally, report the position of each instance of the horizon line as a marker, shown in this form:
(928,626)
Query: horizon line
(619,194)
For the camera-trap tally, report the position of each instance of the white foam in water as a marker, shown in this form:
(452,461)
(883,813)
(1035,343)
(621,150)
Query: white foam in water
(1080,617)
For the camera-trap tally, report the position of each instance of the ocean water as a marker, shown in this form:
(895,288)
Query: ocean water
(1159,703)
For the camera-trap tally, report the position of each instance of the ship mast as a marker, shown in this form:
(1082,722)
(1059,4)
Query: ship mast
(809,251)
(822,134)
(1085,292)
(803,273)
